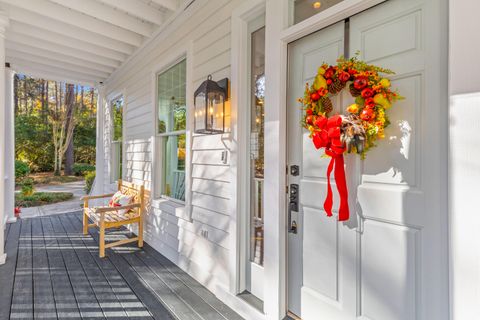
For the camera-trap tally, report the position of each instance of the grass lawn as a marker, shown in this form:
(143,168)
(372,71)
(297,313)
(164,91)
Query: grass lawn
(41,198)
(49,178)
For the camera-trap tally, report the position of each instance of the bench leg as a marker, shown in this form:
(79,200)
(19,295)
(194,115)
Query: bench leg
(140,233)
(102,241)
(85,223)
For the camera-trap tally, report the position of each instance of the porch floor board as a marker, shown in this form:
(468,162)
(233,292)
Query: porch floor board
(53,272)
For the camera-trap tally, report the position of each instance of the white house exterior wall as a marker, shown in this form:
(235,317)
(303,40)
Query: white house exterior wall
(206,25)
(464,171)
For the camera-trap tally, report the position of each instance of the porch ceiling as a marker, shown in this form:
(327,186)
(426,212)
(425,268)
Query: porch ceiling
(79,41)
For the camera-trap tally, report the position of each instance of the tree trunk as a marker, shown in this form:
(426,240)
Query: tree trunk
(92,105)
(82,104)
(56,97)
(43,102)
(56,170)
(25,94)
(70,107)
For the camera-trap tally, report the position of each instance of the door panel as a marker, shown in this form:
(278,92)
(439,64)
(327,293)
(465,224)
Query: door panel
(306,55)
(388,262)
(391,201)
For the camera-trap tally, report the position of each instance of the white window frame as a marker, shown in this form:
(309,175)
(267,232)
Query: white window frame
(182,208)
(110,99)
(242,18)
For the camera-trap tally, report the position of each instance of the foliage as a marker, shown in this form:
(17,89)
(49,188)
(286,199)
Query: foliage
(63,125)
(89,179)
(33,142)
(21,170)
(41,198)
(80,169)
(38,107)
(27,187)
(117,108)
(84,139)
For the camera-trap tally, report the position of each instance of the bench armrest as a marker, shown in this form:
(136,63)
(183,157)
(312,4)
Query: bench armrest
(97,196)
(110,209)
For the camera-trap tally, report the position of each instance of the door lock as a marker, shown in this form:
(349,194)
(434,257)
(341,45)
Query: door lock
(292,206)
(293,227)
(294,170)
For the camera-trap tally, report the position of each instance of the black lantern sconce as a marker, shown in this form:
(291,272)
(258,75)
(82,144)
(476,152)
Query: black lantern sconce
(209,103)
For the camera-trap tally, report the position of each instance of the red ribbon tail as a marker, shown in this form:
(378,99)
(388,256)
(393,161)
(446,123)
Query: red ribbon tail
(328,204)
(341,181)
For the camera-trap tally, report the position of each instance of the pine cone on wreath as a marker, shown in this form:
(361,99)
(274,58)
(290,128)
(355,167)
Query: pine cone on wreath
(327,105)
(336,86)
(354,92)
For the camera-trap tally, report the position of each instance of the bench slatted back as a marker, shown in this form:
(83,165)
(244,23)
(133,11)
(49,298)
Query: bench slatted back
(135,191)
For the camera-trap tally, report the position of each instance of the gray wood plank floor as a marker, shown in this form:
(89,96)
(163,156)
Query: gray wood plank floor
(53,272)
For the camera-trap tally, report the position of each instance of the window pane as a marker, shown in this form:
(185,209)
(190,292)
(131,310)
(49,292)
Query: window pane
(174,166)
(171,86)
(304,9)
(257,126)
(117,110)
(116,146)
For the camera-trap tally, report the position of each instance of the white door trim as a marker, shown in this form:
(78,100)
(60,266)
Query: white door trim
(278,35)
(239,155)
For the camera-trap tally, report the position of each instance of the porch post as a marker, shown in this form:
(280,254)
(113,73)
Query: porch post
(3,26)
(100,153)
(9,146)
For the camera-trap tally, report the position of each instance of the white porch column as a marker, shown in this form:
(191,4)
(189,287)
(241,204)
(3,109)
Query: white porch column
(100,155)
(3,26)
(9,146)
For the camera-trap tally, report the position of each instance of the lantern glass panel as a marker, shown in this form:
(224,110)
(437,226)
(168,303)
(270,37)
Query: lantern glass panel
(200,106)
(215,111)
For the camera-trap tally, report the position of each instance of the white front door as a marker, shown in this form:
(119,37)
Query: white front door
(389,261)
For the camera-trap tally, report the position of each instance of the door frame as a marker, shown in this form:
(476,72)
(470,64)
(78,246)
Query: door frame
(278,35)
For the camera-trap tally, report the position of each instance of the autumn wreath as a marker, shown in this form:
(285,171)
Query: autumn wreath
(355,131)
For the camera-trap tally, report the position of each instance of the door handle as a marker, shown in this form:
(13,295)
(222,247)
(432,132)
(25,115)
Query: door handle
(292,206)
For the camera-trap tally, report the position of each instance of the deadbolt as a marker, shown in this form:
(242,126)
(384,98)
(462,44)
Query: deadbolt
(294,170)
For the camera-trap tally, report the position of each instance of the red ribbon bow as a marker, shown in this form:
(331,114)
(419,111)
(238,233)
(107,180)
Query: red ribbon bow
(329,138)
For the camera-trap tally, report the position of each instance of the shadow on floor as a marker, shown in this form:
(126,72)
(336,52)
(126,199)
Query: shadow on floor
(53,271)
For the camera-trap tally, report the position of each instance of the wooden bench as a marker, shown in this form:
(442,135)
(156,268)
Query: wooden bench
(109,217)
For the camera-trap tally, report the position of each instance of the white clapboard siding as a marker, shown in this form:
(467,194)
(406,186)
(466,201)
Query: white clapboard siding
(211,172)
(219,31)
(210,218)
(213,157)
(215,142)
(163,227)
(211,187)
(174,225)
(199,245)
(212,203)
